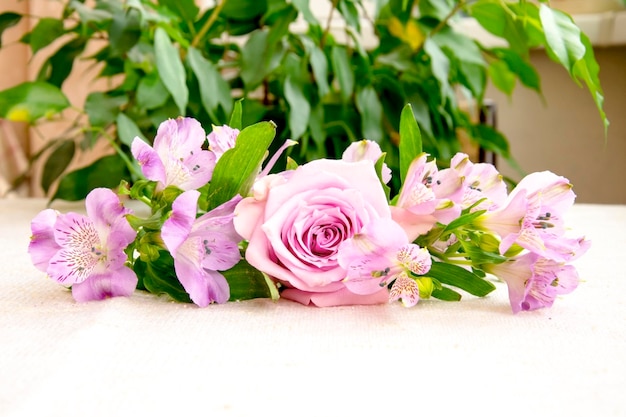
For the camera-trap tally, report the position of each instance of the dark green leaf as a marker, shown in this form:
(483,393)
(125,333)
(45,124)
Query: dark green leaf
(57,162)
(214,90)
(7,20)
(459,277)
(253,59)
(237,168)
(186,9)
(520,67)
(410,140)
(343,72)
(246,282)
(102,109)
(491,140)
(59,66)
(151,92)
(44,33)
(106,172)
(563,40)
(171,69)
(299,107)
(124,32)
(244,9)
(159,277)
(438,9)
(30,101)
(371,111)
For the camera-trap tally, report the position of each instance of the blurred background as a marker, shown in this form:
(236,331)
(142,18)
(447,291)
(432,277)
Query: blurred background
(559,131)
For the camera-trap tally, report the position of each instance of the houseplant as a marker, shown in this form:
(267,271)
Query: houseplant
(168,58)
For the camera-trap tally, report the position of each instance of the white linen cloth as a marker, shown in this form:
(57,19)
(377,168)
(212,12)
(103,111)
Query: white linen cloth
(146,355)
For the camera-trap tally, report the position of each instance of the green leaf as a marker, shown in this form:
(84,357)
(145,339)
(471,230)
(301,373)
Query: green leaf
(319,64)
(244,9)
(124,32)
(588,70)
(446,294)
(520,67)
(491,140)
(151,92)
(299,107)
(7,20)
(440,66)
(497,19)
(463,220)
(106,172)
(102,108)
(237,168)
(459,277)
(44,33)
(410,140)
(58,67)
(127,130)
(171,69)
(563,40)
(57,162)
(343,71)
(186,9)
(214,90)
(503,79)
(30,101)
(88,15)
(371,111)
(246,282)
(350,13)
(159,277)
(236,117)
(303,7)
(254,55)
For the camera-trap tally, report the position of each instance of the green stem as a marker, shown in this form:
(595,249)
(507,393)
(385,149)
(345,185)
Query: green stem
(207,25)
(328,22)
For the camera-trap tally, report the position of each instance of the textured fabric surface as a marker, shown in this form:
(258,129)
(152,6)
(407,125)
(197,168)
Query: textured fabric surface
(146,355)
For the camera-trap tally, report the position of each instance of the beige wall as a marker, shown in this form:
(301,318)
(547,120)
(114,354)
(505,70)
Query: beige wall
(564,133)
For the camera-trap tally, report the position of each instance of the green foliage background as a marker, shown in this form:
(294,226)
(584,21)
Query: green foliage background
(171,58)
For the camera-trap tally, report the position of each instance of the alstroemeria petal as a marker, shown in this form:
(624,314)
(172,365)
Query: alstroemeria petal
(178,226)
(151,165)
(203,286)
(42,246)
(113,283)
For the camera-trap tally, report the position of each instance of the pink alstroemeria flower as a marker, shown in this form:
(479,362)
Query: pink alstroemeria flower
(221,139)
(532,217)
(379,255)
(480,182)
(176,157)
(366,150)
(86,252)
(427,196)
(201,247)
(534,282)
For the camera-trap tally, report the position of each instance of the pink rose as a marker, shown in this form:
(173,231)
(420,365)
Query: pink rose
(296,222)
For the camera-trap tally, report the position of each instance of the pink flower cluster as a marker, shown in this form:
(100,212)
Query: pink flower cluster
(325,233)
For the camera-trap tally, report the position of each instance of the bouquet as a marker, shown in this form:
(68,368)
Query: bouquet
(221,224)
